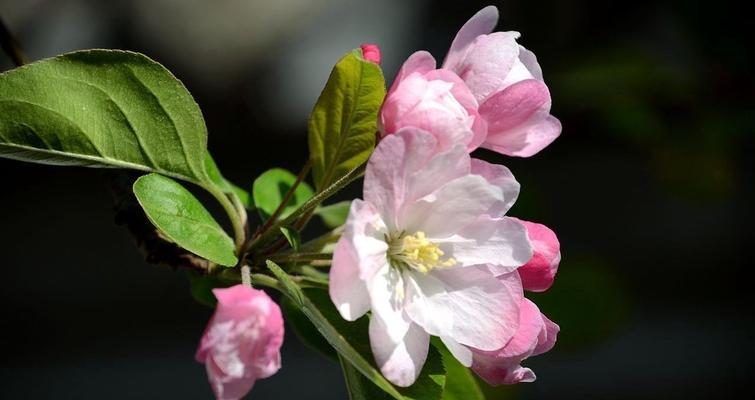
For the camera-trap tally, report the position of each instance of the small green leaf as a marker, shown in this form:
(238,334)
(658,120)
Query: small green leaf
(102,108)
(271,187)
(460,383)
(343,123)
(334,215)
(292,236)
(293,291)
(183,219)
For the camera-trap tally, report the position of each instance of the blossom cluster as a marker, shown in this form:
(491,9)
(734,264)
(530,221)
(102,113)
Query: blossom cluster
(429,251)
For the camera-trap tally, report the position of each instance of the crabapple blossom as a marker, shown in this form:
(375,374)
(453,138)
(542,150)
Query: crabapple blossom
(507,82)
(434,100)
(242,341)
(423,250)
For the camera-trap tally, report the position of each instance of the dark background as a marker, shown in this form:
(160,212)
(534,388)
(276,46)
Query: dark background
(649,189)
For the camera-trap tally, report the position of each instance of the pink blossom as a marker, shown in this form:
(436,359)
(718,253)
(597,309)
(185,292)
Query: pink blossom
(422,251)
(371,52)
(507,82)
(434,100)
(242,341)
(538,274)
(535,335)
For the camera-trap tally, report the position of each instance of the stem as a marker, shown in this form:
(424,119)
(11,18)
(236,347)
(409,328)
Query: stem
(299,257)
(274,229)
(246,278)
(274,217)
(240,209)
(10,45)
(230,209)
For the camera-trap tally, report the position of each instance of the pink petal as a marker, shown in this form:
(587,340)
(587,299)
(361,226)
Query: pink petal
(529,60)
(400,360)
(420,61)
(518,119)
(480,24)
(539,272)
(499,176)
(547,338)
(488,63)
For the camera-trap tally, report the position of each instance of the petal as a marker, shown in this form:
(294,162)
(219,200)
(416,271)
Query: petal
(501,177)
(399,346)
(488,63)
(359,254)
(547,338)
(540,271)
(515,105)
(462,353)
(420,61)
(519,123)
(467,305)
(405,167)
(480,24)
(450,208)
(502,366)
(529,60)
(499,242)
(400,361)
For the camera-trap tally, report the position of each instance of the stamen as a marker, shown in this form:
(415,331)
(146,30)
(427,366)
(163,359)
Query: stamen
(416,252)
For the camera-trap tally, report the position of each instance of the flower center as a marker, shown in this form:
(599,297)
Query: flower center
(415,252)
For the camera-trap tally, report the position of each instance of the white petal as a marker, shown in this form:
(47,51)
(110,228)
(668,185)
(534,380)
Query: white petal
(468,305)
(461,352)
(500,242)
(400,358)
(530,62)
(501,177)
(452,207)
(358,255)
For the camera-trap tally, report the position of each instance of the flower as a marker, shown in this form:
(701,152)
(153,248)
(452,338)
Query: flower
(535,335)
(435,100)
(242,341)
(507,82)
(422,252)
(371,52)
(538,274)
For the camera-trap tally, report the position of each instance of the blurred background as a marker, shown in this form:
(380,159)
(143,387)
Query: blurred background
(649,189)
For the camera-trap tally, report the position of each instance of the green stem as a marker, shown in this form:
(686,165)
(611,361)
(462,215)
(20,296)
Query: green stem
(299,257)
(238,226)
(274,229)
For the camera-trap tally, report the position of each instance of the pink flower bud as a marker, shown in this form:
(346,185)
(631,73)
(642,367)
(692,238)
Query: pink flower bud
(434,100)
(371,52)
(538,274)
(242,341)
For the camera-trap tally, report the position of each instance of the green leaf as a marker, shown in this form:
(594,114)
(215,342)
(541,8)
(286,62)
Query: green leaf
(292,236)
(460,383)
(183,219)
(102,108)
(271,187)
(217,179)
(343,123)
(428,386)
(334,215)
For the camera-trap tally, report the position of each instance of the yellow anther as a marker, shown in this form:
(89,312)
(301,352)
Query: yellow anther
(417,252)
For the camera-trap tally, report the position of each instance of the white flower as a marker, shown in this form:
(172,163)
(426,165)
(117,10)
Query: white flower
(422,252)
